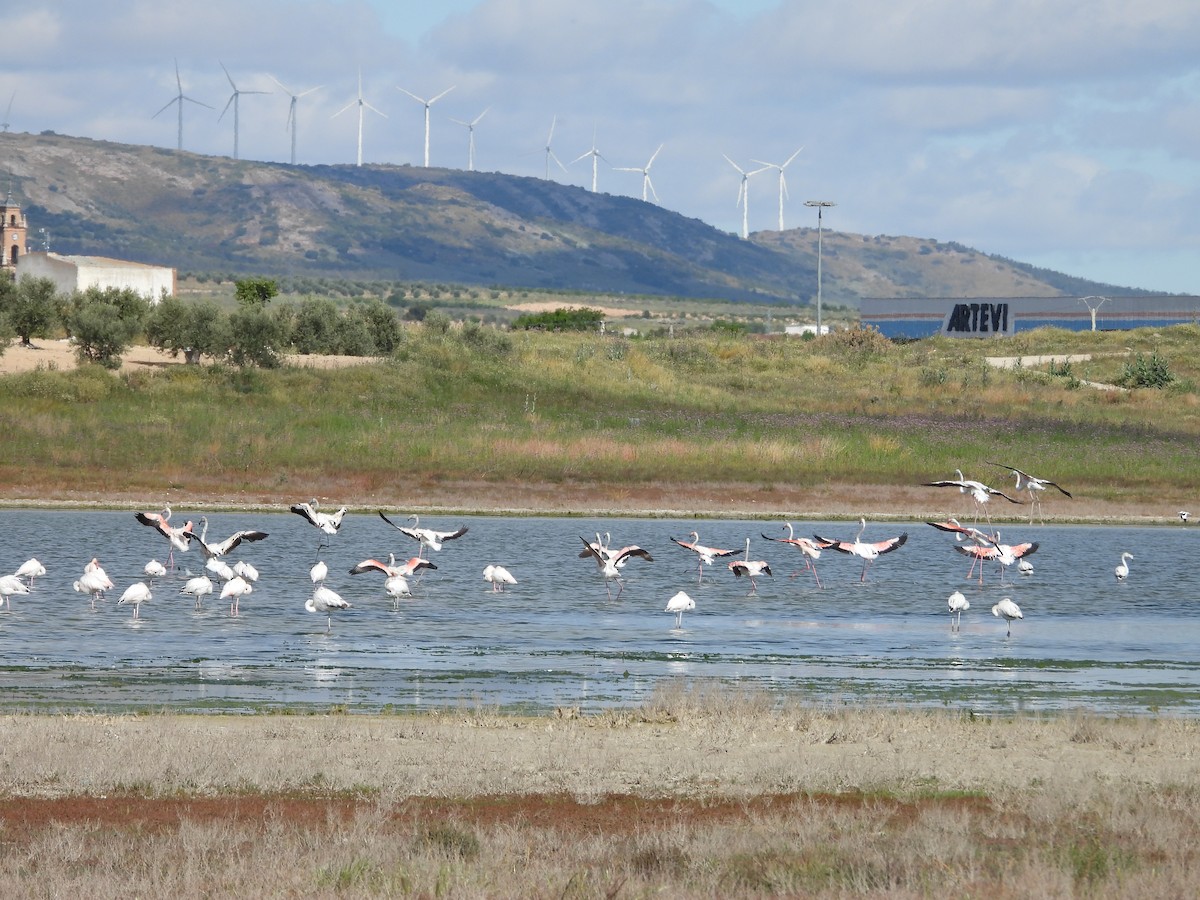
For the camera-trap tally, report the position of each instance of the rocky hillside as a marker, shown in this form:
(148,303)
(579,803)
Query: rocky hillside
(403,223)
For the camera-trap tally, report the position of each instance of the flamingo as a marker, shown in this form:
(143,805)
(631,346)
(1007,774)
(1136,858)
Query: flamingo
(137,594)
(601,552)
(220,548)
(235,589)
(94,581)
(610,565)
(1005,554)
(1032,486)
(679,604)
(979,492)
(177,537)
(154,569)
(325,600)
(246,570)
(706,554)
(221,569)
(868,553)
(318,572)
(397,587)
(1025,567)
(326,523)
(1009,611)
(957,603)
(426,536)
(810,549)
(750,568)
(9,585)
(1184,515)
(1122,569)
(197,587)
(498,576)
(962,532)
(390,569)
(31,569)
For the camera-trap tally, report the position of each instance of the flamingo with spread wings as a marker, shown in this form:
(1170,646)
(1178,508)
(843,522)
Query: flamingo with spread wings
(751,568)
(1035,487)
(868,553)
(980,492)
(810,549)
(427,537)
(706,554)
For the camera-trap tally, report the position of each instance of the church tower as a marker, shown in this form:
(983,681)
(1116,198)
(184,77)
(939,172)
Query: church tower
(13,242)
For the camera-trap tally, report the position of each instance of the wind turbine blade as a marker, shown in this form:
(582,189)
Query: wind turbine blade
(178,80)
(583,155)
(783,185)
(227,75)
(344,108)
(309,91)
(287,90)
(433,100)
(228,103)
(480,116)
(765,165)
(735,165)
(556,160)
(550,136)
(650,184)
(373,109)
(654,157)
(165,108)
(420,100)
(790,158)
(197,102)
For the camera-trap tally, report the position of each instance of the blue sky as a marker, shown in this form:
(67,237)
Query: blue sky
(1063,133)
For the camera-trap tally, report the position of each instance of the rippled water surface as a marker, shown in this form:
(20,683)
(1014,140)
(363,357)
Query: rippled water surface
(556,639)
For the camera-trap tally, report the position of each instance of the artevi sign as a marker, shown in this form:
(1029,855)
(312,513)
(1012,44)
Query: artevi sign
(978,320)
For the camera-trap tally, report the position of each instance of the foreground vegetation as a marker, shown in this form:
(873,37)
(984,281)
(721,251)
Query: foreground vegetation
(710,793)
(478,405)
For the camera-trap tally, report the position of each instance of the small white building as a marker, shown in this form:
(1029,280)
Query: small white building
(78,273)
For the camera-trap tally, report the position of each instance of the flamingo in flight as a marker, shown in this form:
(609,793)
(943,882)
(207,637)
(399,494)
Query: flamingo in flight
(706,554)
(1122,569)
(1009,611)
(1035,487)
(327,523)
(809,548)
(868,553)
(980,492)
(220,548)
(390,569)
(1005,554)
(427,537)
(956,602)
(177,536)
(751,568)
(679,604)
(610,566)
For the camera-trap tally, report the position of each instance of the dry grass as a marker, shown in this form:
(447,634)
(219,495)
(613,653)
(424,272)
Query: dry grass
(699,793)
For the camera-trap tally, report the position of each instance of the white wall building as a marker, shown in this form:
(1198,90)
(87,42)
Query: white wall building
(78,273)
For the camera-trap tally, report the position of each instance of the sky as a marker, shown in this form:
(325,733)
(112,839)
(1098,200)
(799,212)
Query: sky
(1061,133)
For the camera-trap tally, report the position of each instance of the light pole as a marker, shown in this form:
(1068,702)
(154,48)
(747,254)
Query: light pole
(820,205)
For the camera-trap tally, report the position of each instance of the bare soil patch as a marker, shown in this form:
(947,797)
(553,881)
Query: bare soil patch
(60,355)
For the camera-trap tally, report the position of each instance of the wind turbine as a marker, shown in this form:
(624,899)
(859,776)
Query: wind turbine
(743,197)
(647,187)
(233,99)
(291,118)
(7,112)
(550,153)
(361,105)
(470,126)
(179,98)
(782,180)
(427,103)
(595,155)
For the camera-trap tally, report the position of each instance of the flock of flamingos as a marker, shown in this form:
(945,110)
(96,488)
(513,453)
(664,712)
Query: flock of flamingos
(234,582)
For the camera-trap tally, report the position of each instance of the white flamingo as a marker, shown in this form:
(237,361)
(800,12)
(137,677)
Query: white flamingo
(1122,569)
(177,536)
(246,570)
(319,572)
(136,594)
(979,492)
(325,600)
(427,537)
(397,587)
(706,554)
(231,543)
(1034,487)
(154,569)
(235,589)
(10,585)
(498,576)
(197,587)
(809,549)
(1009,611)
(610,565)
(679,604)
(868,553)
(601,552)
(751,568)
(326,523)
(31,569)
(1025,567)
(957,603)
(221,569)
(94,581)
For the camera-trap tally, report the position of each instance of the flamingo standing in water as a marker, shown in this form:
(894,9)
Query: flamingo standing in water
(498,576)
(154,569)
(706,554)
(750,568)
(9,585)
(679,604)
(1009,611)
(136,594)
(1005,554)
(810,549)
(177,536)
(397,587)
(963,532)
(30,569)
(325,600)
(235,589)
(390,569)
(1035,487)
(427,537)
(868,553)
(610,566)
(1122,569)
(94,581)
(980,492)
(957,603)
(197,587)
(602,553)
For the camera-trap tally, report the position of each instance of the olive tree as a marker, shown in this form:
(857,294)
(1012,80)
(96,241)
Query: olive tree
(30,306)
(193,329)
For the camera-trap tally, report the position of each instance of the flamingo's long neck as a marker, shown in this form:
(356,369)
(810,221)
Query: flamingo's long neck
(747,549)
(861,528)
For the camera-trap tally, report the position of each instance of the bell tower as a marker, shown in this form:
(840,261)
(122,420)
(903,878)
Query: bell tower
(13,237)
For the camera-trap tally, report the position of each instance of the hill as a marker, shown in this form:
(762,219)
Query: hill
(403,223)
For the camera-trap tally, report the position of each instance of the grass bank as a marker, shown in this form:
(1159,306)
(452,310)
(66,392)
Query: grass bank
(743,415)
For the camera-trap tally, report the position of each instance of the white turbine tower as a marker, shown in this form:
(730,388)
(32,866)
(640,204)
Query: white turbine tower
(647,187)
(743,197)
(596,157)
(291,117)
(470,126)
(233,100)
(782,180)
(550,153)
(179,98)
(426,103)
(362,104)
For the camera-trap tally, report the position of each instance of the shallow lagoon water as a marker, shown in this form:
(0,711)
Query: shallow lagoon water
(556,639)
